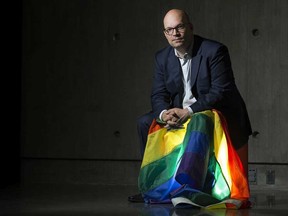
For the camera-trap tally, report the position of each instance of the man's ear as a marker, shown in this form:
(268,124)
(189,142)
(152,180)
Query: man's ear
(191,26)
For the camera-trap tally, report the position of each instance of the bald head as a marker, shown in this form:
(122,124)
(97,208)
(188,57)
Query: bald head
(175,15)
(178,30)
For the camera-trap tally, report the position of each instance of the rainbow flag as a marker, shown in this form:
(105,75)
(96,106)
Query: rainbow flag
(196,165)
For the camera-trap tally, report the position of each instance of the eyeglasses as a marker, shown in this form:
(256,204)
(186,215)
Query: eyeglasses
(178,28)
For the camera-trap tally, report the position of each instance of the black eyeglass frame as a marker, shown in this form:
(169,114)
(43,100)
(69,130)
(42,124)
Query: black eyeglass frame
(179,28)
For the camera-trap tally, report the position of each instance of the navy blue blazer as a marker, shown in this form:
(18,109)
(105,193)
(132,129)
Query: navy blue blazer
(212,82)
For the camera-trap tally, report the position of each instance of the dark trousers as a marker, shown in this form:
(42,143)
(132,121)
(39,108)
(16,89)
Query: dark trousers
(143,125)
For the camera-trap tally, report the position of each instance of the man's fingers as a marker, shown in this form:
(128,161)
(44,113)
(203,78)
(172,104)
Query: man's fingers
(172,123)
(171,118)
(174,119)
(173,126)
(182,119)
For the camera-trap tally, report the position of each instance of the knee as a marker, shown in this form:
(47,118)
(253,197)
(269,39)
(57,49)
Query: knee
(144,120)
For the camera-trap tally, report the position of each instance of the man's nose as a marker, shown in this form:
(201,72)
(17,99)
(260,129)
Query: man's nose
(175,31)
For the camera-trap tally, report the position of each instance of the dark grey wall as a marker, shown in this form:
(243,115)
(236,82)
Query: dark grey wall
(87,70)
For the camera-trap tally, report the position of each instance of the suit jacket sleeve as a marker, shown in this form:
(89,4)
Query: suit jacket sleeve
(215,83)
(160,97)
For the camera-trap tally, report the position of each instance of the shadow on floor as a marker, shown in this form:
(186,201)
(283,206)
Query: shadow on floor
(44,200)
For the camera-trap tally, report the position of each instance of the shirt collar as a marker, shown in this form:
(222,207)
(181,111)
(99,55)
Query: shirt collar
(187,55)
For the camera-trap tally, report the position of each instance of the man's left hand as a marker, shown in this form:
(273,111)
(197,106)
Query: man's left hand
(180,117)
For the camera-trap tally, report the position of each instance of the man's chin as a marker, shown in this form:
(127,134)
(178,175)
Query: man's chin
(178,45)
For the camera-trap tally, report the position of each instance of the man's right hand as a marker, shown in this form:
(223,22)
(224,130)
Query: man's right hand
(169,116)
(175,116)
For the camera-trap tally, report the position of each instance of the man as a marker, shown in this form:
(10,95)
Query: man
(194,74)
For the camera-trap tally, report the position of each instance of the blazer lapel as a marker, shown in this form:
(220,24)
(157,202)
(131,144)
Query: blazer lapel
(196,58)
(175,71)
(195,68)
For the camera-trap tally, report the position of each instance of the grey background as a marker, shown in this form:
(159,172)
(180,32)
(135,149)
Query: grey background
(87,68)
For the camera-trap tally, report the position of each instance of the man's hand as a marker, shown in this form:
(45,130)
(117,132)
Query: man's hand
(176,116)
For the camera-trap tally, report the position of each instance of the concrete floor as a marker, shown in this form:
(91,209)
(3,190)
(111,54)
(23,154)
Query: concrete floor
(112,200)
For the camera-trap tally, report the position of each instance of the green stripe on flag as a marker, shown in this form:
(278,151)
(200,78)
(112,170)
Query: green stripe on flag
(160,171)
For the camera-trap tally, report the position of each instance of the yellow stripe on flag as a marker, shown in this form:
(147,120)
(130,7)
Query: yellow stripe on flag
(220,148)
(171,139)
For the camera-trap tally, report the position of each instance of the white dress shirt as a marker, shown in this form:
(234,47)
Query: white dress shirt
(188,98)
